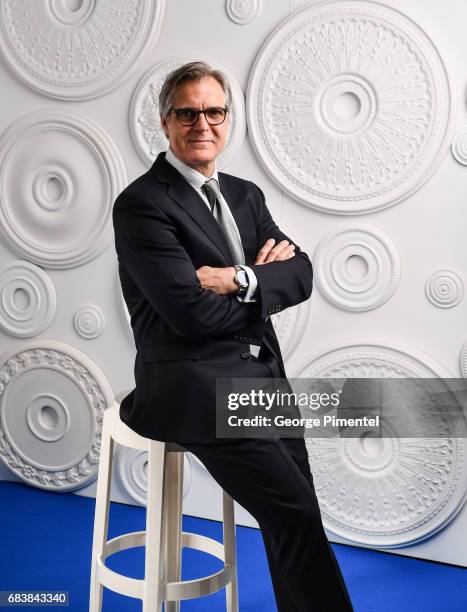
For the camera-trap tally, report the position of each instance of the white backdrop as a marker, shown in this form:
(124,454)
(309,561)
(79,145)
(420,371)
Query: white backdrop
(351,116)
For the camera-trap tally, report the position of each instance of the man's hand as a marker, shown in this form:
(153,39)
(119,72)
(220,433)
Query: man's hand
(219,280)
(269,253)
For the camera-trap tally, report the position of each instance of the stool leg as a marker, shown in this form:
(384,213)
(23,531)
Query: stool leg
(101,514)
(230,552)
(154,511)
(173,522)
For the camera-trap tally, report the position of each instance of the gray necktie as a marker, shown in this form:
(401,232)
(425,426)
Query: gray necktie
(228,226)
(222,216)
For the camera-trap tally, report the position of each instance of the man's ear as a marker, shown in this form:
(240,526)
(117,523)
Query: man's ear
(164,125)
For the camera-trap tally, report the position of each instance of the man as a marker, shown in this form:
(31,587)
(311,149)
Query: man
(203,266)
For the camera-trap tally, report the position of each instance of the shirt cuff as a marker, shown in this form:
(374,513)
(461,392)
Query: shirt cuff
(252,285)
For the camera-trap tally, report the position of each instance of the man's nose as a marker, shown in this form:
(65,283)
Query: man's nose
(201,123)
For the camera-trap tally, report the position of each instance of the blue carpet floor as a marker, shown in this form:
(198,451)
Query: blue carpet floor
(46,543)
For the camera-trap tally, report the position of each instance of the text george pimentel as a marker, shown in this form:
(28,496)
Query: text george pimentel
(308,423)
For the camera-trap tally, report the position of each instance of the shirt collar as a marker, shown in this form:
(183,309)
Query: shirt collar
(195,178)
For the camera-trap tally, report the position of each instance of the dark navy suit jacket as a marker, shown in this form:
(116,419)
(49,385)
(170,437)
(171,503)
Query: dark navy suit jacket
(187,336)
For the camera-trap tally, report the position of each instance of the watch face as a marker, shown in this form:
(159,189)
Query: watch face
(242,278)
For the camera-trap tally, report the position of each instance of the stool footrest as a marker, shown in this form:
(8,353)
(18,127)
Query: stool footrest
(170,591)
(189,589)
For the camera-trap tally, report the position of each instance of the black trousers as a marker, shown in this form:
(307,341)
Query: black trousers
(271,478)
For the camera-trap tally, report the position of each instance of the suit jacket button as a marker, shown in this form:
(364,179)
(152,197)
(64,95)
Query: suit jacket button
(245,354)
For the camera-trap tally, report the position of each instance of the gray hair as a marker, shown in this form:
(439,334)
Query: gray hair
(194,71)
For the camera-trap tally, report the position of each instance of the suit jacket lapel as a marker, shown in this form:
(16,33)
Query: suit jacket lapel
(186,197)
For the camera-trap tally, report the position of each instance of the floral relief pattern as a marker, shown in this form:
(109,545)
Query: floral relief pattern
(349,106)
(52,402)
(389,491)
(77,50)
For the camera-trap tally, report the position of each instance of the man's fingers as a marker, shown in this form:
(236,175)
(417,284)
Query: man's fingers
(282,256)
(279,252)
(269,253)
(202,272)
(264,251)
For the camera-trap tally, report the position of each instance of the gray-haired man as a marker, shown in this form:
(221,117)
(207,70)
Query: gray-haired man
(203,266)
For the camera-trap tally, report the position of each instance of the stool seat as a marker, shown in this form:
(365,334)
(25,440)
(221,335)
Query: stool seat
(163,538)
(172,447)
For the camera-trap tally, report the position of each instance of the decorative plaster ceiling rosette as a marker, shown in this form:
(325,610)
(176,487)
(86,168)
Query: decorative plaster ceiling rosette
(59,176)
(76,49)
(242,11)
(357,267)
(393,491)
(52,401)
(349,106)
(444,289)
(459,147)
(146,131)
(28,301)
(132,471)
(88,322)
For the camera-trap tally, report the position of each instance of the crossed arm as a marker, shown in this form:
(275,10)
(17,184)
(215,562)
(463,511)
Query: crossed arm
(221,280)
(148,247)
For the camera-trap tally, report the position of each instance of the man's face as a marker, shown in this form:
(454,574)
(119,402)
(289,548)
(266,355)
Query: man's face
(197,145)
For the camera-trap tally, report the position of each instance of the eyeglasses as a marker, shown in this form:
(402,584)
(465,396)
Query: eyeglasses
(189,116)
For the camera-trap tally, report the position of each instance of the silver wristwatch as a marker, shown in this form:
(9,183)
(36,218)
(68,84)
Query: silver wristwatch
(241,279)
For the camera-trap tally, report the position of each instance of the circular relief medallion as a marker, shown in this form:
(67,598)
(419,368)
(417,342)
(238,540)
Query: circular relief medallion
(242,11)
(59,176)
(146,131)
(28,301)
(390,491)
(357,267)
(349,106)
(459,147)
(132,471)
(52,401)
(444,289)
(75,49)
(88,321)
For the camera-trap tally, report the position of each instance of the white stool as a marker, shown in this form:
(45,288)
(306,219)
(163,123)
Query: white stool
(163,537)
